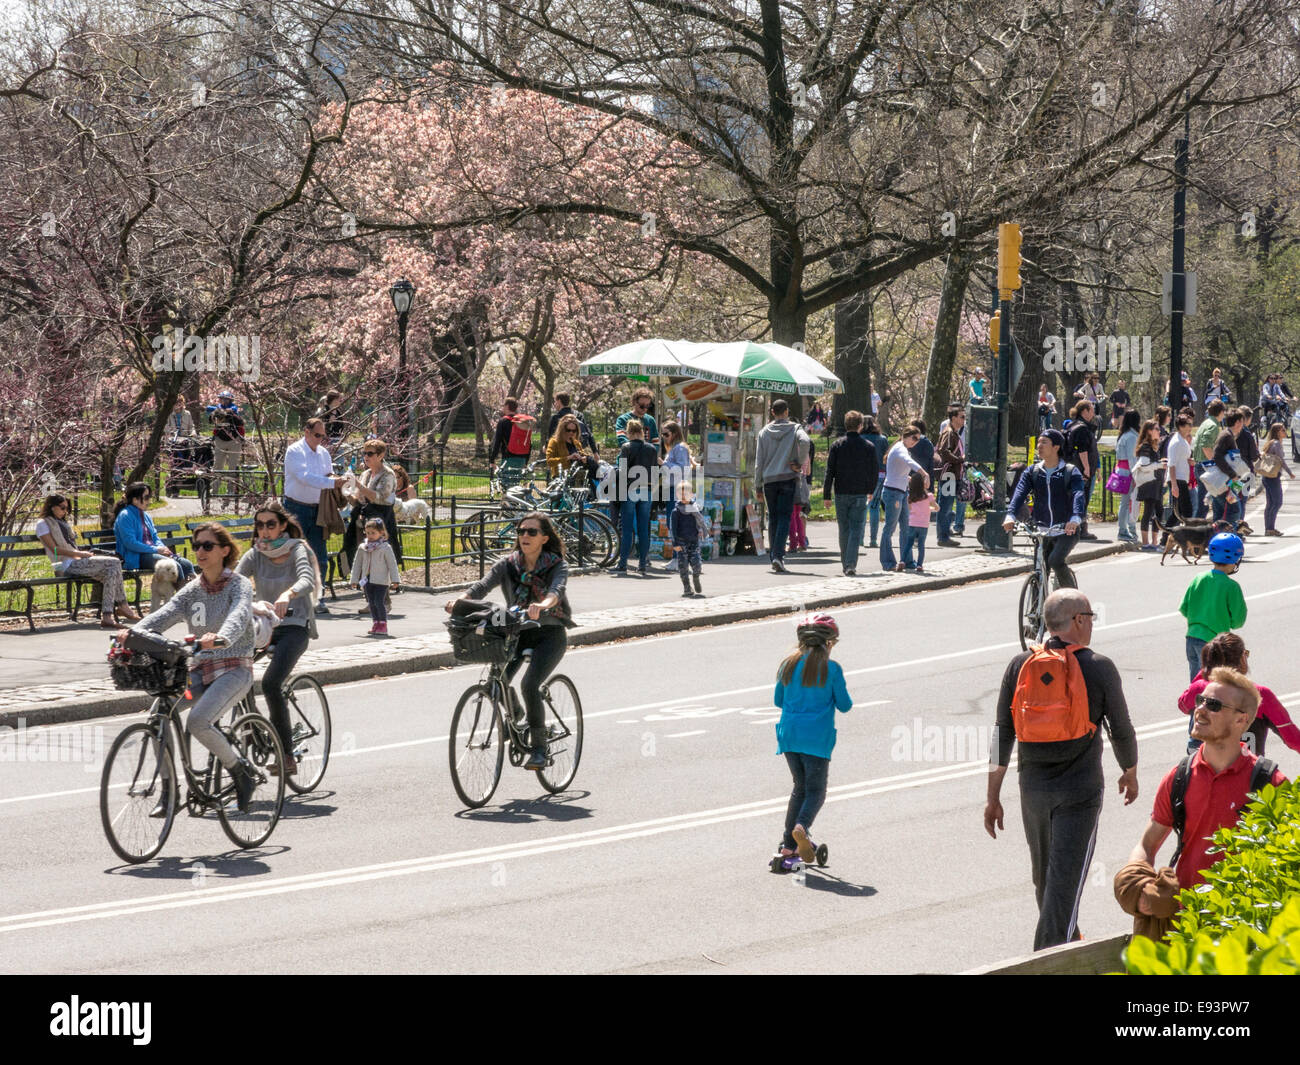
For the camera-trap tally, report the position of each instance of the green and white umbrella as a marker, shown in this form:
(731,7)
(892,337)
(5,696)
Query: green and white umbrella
(641,358)
(761,368)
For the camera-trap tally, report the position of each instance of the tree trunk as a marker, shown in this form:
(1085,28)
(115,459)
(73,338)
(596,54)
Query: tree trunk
(854,336)
(943,349)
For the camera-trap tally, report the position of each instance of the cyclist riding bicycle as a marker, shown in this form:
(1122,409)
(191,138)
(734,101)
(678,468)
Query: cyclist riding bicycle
(1273,398)
(216,605)
(1058,509)
(283,569)
(531,577)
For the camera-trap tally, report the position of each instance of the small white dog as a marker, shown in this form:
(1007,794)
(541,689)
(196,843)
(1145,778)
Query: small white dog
(412,511)
(166,580)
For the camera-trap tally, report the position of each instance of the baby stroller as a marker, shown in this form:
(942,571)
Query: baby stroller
(189,462)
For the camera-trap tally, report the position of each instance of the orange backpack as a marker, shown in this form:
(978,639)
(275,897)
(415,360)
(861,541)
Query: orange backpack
(1051,700)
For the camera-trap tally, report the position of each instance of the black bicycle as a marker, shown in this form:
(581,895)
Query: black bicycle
(1038,585)
(309,719)
(489,720)
(139,790)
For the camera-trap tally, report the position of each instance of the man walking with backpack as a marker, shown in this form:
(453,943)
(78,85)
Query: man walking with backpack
(513,439)
(1208,789)
(1054,700)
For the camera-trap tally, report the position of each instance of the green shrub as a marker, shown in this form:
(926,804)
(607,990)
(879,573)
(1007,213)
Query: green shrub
(1245,917)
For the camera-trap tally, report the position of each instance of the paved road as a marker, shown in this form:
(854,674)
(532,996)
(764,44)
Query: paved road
(657,862)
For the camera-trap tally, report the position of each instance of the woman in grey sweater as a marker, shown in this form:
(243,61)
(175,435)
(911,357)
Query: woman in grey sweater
(284,573)
(216,606)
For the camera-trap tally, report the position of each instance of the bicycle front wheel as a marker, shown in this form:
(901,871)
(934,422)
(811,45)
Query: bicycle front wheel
(139,780)
(309,720)
(1029,619)
(564,733)
(254,740)
(476,746)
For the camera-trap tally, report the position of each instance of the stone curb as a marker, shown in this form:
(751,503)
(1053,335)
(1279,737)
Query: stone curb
(111,702)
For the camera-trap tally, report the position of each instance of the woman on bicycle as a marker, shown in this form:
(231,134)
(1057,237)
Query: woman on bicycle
(219,605)
(533,577)
(282,567)
(1057,491)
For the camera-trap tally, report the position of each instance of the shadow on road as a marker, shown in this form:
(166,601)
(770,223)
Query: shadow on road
(311,804)
(232,865)
(820,880)
(558,808)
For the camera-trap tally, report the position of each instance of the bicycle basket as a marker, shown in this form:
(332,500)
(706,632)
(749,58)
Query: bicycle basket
(477,643)
(148,662)
(136,671)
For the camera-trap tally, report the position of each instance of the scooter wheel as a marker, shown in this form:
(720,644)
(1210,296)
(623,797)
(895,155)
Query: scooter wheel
(775,864)
(823,854)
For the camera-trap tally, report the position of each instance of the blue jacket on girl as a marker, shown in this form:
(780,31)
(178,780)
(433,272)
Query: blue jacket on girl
(134,538)
(807,724)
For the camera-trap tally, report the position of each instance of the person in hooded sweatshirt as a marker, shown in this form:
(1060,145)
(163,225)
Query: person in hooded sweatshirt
(781,453)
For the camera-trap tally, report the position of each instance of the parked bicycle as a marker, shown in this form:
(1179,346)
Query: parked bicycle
(139,791)
(1038,585)
(587,534)
(489,719)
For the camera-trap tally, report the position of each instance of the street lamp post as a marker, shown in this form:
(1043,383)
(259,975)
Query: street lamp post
(403,294)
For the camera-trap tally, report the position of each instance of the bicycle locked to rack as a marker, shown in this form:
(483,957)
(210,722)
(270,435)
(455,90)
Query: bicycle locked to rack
(139,791)
(489,719)
(1038,585)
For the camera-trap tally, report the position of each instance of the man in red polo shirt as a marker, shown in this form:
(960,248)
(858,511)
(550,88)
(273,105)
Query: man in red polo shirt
(1221,771)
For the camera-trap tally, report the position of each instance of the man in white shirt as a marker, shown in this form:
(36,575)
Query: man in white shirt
(308,470)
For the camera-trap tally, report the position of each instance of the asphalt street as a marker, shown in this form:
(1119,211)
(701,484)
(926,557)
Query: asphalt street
(656,861)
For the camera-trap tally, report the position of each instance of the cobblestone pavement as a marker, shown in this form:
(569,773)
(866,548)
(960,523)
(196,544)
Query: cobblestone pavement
(645,607)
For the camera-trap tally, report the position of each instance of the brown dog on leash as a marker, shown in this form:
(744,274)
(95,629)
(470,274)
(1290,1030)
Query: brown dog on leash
(1192,537)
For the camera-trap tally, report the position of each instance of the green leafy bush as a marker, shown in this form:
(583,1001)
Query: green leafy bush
(1245,917)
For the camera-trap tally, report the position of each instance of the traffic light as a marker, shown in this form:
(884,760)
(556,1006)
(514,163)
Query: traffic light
(995,330)
(1008,259)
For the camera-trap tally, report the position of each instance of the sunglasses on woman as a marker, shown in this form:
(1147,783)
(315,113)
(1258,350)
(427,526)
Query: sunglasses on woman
(204,545)
(274,523)
(530,531)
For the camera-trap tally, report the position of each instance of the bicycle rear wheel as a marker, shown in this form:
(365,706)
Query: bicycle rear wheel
(309,719)
(139,774)
(1028,615)
(593,535)
(564,729)
(254,740)
(476,746)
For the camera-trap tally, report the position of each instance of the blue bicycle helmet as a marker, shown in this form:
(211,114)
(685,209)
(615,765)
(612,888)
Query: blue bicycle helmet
(1227,548)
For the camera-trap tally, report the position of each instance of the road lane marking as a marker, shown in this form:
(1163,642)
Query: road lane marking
(679,735)
(503,852)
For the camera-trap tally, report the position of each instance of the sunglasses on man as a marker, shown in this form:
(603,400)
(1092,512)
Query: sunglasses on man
(1215,705)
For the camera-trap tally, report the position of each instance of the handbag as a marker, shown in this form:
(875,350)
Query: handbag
(802,491)
(1268,465)
(1121,480)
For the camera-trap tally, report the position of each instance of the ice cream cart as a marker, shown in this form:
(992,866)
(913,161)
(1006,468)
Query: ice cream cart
(728,421)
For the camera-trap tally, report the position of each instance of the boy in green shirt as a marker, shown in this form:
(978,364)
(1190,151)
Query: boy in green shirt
(1213,602)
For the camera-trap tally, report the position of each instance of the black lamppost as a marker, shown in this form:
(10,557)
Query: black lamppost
(403,293)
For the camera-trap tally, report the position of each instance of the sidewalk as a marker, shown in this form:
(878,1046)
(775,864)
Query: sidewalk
(737,589)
